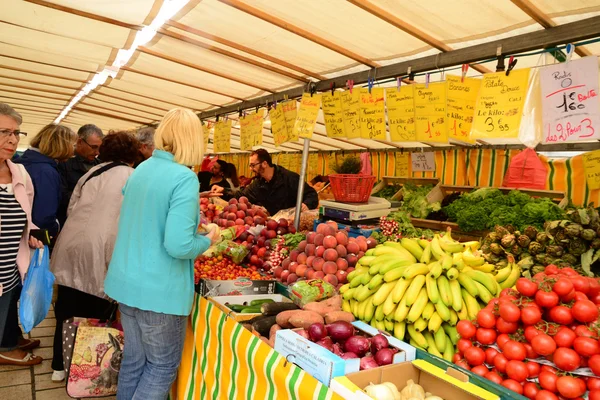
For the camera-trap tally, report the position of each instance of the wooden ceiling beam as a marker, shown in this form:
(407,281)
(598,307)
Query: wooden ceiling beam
(113,110)
(48,64)
(21,99)
(127,107)
(38,82)
(109,115)
(245,49)
(255,12)
(17,104)
(28,71)
(104,94)
(153,98)
(32,94)
(36,89)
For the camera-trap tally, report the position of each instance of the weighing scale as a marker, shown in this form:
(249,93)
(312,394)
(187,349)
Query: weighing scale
(356,212)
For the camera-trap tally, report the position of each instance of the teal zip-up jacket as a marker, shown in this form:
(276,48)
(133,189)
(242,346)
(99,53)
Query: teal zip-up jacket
(152,266)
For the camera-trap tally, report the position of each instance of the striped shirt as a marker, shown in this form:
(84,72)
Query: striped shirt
(12,223)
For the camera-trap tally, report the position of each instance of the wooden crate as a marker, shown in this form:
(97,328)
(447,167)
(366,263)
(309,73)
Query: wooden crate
(402,180)
(442,226)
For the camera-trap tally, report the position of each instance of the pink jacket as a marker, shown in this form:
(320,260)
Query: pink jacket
(23,189)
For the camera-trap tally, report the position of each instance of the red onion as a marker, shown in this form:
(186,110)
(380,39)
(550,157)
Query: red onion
(349,355)
(303,333)
(326,343)
(340,330)
(317,332)
(368,363)
(384,356)
(337,349)
(378,342)
(357,344)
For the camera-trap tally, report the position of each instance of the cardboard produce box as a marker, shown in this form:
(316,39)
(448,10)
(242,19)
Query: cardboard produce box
(449,385)
(325,365)
(221,302)
(240,286)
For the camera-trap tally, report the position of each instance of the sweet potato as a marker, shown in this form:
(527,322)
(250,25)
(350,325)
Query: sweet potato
(334,302)
(319,308)
(304,319)
(272,342)
(284,317)
(274,330)
(338,316)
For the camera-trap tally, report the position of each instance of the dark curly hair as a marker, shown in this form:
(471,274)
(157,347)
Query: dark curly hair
(119,147)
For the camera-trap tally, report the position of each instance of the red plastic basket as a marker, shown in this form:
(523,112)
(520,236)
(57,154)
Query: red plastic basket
(349,188)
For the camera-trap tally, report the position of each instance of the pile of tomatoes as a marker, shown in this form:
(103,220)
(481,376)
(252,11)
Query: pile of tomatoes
(532,340)
(222,268)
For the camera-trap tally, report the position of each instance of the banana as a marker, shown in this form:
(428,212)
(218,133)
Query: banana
(394,248)
(354,305)
(383,293)
(415,345)
(436,250)
(434,322)
(456,298)
(435,269)
(423,243)
(440,339)
(431,347)
(486,280)
(413,247)
(346,306)
(450,245)
(418,337)
(460,265)
(443,311)
(367,260)
(420,325)
(426,256)
(487,268)
(379,315)
(474,245)
(472,304)
(400,330)
(400,288)
(456,257)
(401,310)
(388,306)
(357,279)
(379,325)
(374,323)
(365,278)
(446,262)
(369,252)
(414,289)
(503,274)
(369,310)
(448,353)
(395,274)
(453,317)
(361,309)
(432,289)
(349,294)
(512,278)
(452,333)
(389,325)
(365,293)
(414,270)
(452,274)
(471,259)
(444,288)
(394,264)
(375,282)
(467,283)
(463,313)
(344,288)
(484,293)
(428,311)
(417,308)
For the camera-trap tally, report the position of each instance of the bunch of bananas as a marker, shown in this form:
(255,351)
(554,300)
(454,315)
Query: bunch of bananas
(419,290)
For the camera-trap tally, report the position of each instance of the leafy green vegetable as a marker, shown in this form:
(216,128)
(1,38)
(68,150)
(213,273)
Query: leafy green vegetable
(414,200)
(292,240)
(388,192)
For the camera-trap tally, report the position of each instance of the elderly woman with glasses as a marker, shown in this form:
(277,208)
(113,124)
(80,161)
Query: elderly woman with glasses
(16,199)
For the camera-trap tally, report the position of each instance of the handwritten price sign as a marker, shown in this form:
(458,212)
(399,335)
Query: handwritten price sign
(332,113)
(222,137)
(350,113)
(430,113)
(251,130)
(372,114)
(460,107)
(205,135)
(570,107)
(307,115)
(278,127)
(591,163)
(423,161)
(401,163)
(401,113)
(290,110)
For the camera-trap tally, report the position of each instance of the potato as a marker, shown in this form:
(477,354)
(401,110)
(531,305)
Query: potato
(338,316)
(304,319)
(284,317)
(274,330)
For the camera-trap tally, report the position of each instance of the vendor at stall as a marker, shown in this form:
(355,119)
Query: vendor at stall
(275,188)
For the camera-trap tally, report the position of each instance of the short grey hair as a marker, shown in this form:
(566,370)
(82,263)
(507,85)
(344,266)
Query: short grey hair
(145,135)
(89,130)
(10,112)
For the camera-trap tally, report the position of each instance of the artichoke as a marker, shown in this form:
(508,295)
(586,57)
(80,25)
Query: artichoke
(574,230)
(554,250)
(577,247)
(540,258)
(571,259)
(537,269)
(496,249)
(508,241)
(588,234)
(574,216)
(523,255)
(511,228)
(501,231)
(550,260)
(596,244)
(561,236)
(501,264)
(531,232)
(526,263)
(485,248)
(515,250)
(535,248)
(524,240)
(493,237)
(542,238)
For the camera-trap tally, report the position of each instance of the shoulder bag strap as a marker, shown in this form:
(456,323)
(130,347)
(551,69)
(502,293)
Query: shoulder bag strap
(103,170)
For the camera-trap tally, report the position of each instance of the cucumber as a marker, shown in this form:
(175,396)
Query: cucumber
(261,302)
(251,310)
(236,307)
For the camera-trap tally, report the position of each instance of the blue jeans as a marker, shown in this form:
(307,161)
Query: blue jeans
(151,355)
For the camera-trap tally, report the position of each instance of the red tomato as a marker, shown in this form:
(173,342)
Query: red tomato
(568,271)
(531,315)
(539,277)
(533,368)
(530,390)
(580,296)
(493,303)
(561,315)
(480,370)
(594,364)
(509,312)
(583,330)
(500,362)
(463,344)
(517,370)
(514,351)
(569,387)
(503,326)
(464,364)
(568,297)
(594,287)
(564,337)
(490,354)
(456,358)
(551,269)
(530,352)
(548,381)
(593,383)
(581,284)
(566,359)
(507,292)
(594,394)
(475,356)
(546,299)
(586,346)
(466,329)
(543,344)
(527,287)
(530,333)
(548,368)
(562,287)
(486,319)
(486,336)
(545,395)
(502,339)
(585,311)
(494,377)
(595,299)
(513,385)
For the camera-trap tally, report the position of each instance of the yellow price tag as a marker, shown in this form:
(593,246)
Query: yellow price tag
(402,161)
(430,113)
(205,135)
(500,105)
(307,115)
(251,130)
(222,137)
(290,111)
(460,106)
(401,113)
(591,163)
(351,113)
(333,114)
(372,114)
(278,127)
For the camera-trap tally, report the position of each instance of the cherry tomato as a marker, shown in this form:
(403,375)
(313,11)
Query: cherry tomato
(561,315)
(509,312)
(514,351)
(585,311)
(545,395)
(548,368)
(503,326)
(562,287)
(583,330)
(548,381)
(594,364)
(530,390)
(564,337)
(530,352)
(466,329)
(494,377)
(475,356)
(531,332)
(594,394)
(500,362)
(490,354)
(593,383)
(463,344)
(546,299)
(533,368)
(526,287)
(566,359)
(502,339)
(517,370)
(586,346)
(543,344)
(569,387)
(581,284)
(486,336)
(480,370)
(456,358)
(531,315)
(464,364)
(486,319)
(513,385)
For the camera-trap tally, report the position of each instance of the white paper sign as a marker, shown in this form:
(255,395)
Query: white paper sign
(570,103)
(423,161)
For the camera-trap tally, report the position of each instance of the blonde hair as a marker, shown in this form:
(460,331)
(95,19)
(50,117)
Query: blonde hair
(55,141)
(180,133)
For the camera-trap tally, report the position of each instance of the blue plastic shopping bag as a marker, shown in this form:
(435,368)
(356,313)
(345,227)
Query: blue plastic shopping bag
(36,295)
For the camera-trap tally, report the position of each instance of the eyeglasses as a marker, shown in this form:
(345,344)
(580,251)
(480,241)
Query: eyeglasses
(254,165)
(93,147)
(7,132)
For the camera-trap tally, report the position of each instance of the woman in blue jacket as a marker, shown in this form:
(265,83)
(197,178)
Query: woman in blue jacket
(54,143)
(151,273)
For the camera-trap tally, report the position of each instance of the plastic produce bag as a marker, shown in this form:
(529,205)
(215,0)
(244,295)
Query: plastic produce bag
(526,170)
(237,252)
(36,295)
(304,292)
(531,131)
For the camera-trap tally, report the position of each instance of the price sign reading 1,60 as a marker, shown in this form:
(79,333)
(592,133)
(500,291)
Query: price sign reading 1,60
(492,125)
(570,102)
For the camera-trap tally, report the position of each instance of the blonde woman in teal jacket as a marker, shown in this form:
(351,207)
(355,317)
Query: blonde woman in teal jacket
(151,273)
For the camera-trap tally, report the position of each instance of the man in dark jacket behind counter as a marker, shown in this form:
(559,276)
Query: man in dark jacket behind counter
(275,188)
